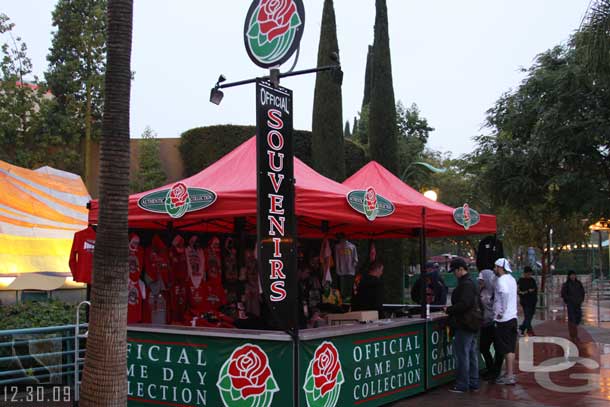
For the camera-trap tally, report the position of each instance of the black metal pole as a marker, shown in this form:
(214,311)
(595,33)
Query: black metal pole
(281,75)
(422,261)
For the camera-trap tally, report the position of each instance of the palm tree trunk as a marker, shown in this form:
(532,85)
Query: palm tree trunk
(105,373)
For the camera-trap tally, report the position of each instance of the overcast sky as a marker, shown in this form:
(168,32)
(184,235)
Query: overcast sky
(453,58)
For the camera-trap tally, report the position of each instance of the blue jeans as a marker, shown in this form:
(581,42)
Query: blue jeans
(574,314)
(528,314)
(466,352)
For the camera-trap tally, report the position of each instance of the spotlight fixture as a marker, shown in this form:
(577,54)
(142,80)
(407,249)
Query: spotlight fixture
(216,95)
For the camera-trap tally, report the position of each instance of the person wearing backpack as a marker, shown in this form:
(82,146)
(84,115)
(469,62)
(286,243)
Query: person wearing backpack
(465,319)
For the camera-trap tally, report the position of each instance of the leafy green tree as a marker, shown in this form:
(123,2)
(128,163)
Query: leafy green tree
(150,173)
(547,157)
(27,134)
(413,133)
(327,148)
(77,60)
(105,372)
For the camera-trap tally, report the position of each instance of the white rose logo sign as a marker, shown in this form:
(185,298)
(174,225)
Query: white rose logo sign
(273,30)
(177,201)
(246,380)
(324,377)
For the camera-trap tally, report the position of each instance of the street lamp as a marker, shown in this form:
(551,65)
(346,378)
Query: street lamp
(431,194)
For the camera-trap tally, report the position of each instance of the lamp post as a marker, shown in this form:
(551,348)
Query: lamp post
(425,165)
(602,225)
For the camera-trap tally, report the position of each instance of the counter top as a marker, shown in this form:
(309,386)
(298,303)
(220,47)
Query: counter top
(304,334)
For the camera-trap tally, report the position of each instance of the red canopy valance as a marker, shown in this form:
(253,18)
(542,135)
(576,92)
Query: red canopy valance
(320,203)
(438,220)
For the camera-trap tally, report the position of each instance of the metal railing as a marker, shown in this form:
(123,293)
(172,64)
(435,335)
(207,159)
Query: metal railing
(52,355)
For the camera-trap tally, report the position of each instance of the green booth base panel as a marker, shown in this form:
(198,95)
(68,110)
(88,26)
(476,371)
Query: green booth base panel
(356,365)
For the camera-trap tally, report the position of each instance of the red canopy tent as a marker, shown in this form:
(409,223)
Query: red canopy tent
(437,217)
(320,203)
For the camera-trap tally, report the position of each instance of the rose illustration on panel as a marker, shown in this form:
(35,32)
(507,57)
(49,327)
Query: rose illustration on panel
(177,201)
(271,30)
(370,203)
(246,380)
(324,377)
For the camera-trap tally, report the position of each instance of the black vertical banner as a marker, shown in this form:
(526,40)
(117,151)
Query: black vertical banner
(275,203)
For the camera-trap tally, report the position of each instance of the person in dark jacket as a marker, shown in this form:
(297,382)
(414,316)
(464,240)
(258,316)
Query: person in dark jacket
(573,294)
(370,290)
(465,319)
(528,296)
(431,286)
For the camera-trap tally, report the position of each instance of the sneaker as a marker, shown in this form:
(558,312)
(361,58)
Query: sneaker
(454,389)
(507,380)
(475,389)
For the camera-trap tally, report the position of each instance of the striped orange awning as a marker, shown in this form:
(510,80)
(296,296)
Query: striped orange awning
(39,212)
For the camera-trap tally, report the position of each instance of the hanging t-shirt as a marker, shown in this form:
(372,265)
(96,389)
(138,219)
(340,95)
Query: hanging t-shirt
(489,250)
(136,294)
(136,258)
(81,255)
(205,298)
(178,266)
(178,301)
(346,258)
(157,261)
(195,264)
(505,298)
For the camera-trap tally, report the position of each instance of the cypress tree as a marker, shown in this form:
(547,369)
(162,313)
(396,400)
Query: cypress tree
(327,150)
(346,132)
(383,142)
(355,128)
(368,77)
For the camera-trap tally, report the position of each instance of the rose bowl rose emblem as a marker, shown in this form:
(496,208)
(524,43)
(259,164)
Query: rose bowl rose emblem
(246,380)
(272,26)
(177,201)
(324,377)
(370,203)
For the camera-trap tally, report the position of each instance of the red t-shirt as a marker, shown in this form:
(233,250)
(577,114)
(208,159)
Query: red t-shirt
(136,262)
(157,264)
(81,255)
(136,295)
(177,263)
(177,302)
(205,298)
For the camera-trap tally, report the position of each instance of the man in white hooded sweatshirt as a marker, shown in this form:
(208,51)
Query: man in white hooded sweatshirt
(505,319)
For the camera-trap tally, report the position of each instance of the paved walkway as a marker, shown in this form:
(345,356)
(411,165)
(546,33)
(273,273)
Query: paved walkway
(531,390)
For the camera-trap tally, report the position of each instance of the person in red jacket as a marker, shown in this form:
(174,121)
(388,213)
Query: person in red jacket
(81,255)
